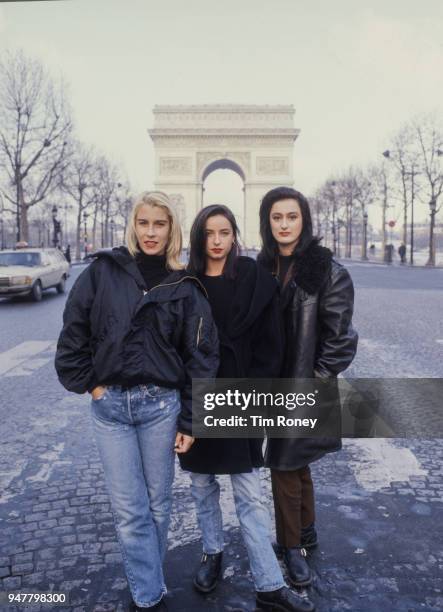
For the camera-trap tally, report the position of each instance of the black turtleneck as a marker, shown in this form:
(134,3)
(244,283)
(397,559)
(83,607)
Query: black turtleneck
(284,261)
(220,292)
(152,268)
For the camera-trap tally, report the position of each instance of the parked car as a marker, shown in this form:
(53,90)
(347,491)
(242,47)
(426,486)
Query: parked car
(28,271)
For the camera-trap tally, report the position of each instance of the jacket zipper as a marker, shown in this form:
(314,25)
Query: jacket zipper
(178,282)
(199,329)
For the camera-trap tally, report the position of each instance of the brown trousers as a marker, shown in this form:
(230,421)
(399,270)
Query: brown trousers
(293,493)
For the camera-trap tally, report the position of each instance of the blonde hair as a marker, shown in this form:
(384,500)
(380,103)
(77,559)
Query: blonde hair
(174,247)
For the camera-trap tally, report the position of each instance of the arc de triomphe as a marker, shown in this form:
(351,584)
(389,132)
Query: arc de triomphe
(192,141)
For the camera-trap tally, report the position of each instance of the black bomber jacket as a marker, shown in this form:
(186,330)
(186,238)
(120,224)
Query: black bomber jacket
(116,332)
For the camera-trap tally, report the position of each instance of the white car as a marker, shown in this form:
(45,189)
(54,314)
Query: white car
(29,271)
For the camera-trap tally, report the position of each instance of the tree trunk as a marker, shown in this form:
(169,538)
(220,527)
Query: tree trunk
(405,214)
(24,226)
(348,229)
(107,224)
(350,234)
(431,260)
(78,234)
(383,217)
(94,229)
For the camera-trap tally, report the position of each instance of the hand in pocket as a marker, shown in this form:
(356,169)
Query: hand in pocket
(98,392)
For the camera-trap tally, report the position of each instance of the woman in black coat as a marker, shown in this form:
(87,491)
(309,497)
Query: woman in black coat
(243,301)
(317,298)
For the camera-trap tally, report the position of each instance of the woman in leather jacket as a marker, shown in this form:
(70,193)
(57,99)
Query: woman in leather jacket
(136,329)
(317,298)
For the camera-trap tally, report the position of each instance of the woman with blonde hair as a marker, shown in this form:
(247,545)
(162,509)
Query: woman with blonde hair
(136,329)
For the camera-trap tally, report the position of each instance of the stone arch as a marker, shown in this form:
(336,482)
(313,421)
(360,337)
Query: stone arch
(190,142)
(223,164)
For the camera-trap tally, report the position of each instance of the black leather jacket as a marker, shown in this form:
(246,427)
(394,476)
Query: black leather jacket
(116,332)
(317,307)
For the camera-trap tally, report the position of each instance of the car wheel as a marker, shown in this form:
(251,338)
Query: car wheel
(36,292)
(61,286)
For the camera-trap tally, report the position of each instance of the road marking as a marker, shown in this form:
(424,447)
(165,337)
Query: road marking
(51,460)
(379,462)
(23,352)
(439,340)
(27,368)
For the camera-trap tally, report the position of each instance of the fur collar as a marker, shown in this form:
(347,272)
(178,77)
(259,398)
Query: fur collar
(312,267)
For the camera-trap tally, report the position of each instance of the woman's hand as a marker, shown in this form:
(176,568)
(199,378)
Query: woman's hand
(183,443)
(98,392)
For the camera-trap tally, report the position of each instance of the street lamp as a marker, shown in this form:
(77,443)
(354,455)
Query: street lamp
(364,252)
(85,218)
(112,224)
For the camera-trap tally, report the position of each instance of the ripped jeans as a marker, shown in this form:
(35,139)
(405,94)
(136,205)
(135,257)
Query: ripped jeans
(135,431)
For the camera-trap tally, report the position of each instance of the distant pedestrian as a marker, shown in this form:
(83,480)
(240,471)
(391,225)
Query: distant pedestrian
(402,253)
(68,253)
(372,249)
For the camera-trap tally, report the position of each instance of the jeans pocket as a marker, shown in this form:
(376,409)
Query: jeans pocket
(105,408)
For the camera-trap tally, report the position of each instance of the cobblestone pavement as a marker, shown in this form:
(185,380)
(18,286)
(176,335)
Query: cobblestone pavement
(379,502)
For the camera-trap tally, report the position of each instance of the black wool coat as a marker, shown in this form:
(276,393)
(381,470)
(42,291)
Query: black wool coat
(317,305)
(250,347)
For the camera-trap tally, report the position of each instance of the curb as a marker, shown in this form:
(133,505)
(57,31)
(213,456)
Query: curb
(344,260)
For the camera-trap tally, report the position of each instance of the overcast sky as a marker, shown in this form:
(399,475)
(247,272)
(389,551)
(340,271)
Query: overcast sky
(353,70)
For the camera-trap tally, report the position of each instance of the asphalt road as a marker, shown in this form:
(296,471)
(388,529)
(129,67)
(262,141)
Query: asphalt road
(379,502)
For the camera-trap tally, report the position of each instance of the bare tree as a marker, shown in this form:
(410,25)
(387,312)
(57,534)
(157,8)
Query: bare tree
(35,127)
(429,131)
(365,188)
(334,207)
(404,153)
(80,182)
(318,205)
(322,206)
(382,177)
(330,191)
(107,192)
(124,200)
(347,188)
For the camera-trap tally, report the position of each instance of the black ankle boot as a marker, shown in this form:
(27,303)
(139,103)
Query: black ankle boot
(309,537)
(298,569)
(283,599)
(208,572)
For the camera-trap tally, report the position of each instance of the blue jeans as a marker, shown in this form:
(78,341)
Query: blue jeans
(254,524)
(135,431)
